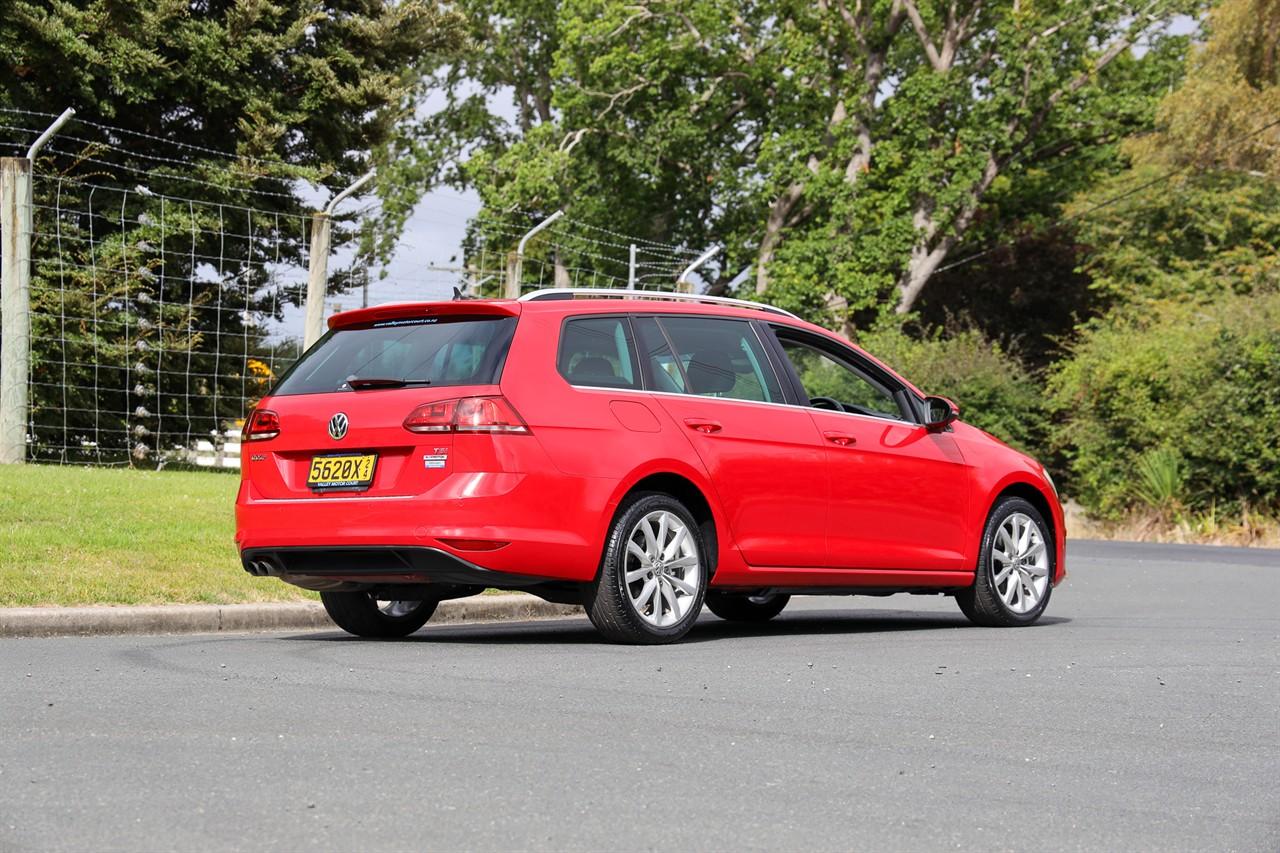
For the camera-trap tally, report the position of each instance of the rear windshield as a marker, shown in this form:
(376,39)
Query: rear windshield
(436,351)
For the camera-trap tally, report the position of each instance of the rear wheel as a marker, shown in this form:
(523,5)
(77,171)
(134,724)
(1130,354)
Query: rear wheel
(653,577)
(746,608)
(368,615)
(1013,581)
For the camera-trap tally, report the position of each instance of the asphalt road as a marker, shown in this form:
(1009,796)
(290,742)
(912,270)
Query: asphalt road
(1143,713)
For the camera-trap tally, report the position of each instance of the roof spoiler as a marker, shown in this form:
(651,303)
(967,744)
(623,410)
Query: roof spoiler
(421,311)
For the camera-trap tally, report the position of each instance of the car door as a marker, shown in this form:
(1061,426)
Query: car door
(714,377)
(899,493)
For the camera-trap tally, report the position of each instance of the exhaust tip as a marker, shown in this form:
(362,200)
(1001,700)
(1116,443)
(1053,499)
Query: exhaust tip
(258,568)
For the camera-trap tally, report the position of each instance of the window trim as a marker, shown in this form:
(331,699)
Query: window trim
(850,359)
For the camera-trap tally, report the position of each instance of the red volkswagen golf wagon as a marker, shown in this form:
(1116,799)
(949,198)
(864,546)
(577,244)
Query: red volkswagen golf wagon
(639,453)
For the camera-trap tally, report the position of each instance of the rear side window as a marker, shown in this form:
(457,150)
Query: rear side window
(438,351)
(713,358)
(598,351)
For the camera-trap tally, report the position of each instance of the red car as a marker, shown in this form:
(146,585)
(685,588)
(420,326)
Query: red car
(639,453)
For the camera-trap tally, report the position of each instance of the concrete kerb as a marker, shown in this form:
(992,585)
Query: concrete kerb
(215,618)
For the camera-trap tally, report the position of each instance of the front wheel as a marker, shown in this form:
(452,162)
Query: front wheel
(367,615)
(653,576)
(1013,581)
(746,608)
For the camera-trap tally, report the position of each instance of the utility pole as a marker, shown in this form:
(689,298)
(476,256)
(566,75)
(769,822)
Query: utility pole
(15,296)
(318,264)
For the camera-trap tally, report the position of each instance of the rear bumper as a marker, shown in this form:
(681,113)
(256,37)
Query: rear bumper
(553,527)
(381,565)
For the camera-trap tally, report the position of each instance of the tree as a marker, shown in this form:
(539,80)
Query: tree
(1198,213)
(1223,116)
(296,89)
(839,152)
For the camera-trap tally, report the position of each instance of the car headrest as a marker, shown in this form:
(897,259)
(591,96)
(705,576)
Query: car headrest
(592,368)
(710,372)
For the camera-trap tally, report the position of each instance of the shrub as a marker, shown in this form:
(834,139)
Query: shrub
(994,391)
(1193,382)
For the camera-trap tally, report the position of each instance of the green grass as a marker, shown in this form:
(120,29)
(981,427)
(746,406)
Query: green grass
(106,536)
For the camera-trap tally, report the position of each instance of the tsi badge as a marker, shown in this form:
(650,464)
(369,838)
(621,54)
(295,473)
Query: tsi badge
(338,426)
(436,459)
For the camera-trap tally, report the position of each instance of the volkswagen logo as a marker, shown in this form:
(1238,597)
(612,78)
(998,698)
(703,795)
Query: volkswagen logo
(338,426)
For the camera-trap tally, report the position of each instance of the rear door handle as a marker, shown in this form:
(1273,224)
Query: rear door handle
(702,425)
(840,438)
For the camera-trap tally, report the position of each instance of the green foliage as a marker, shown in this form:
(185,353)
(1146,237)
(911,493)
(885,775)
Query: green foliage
(1223,116)
(1199,380)
(1196,236)
(1160,482)
(1198,214)
(994,391)
(837,154)
(318,84)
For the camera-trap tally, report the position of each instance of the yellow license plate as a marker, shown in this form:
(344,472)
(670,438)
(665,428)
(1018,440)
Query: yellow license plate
(350,471)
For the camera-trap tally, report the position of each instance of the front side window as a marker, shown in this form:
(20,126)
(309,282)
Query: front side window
(597,351)
(714,358)
(829,383)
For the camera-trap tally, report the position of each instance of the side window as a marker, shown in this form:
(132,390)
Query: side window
(665,373)
(722,358)
(598,351)
(824,376)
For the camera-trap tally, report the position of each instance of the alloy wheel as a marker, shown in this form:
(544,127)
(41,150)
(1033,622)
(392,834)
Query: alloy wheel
(397,609)
(1020,563)
(663,570)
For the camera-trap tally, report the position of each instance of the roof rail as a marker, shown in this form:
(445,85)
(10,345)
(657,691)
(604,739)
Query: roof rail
(617,293)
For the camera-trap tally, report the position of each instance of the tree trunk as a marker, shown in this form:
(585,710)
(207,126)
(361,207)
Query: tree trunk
(923,264)
(773,227)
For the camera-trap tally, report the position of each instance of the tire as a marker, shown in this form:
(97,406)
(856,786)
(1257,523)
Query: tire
(1007,593)
(734,607)
(647,594)
(361,614)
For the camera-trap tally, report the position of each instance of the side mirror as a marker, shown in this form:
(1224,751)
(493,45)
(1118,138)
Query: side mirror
(939,413)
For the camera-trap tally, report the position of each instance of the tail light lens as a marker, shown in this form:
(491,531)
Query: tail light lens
(470,414)
(487,414)
(431,417)
(261,425)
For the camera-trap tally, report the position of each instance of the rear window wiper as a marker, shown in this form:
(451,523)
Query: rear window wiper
(364,383)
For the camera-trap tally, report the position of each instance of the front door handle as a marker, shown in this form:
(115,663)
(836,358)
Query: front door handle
(841,438)
(702,425)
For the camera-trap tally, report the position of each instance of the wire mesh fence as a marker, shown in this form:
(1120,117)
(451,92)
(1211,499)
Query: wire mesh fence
(168,284)
(152,320)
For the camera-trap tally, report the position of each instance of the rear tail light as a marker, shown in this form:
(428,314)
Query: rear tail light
(487,414)
(431,417)
(261,425)
(470,414)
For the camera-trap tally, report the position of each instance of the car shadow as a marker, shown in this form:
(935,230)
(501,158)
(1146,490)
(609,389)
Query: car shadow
(578,631)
